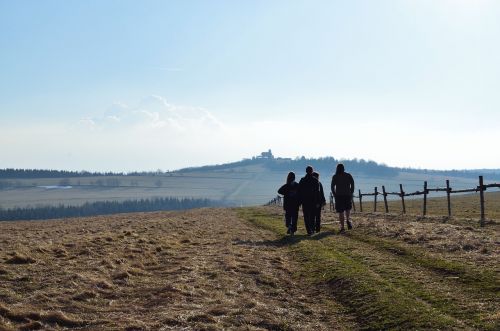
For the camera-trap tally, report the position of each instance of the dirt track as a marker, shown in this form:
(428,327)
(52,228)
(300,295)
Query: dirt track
(202,269)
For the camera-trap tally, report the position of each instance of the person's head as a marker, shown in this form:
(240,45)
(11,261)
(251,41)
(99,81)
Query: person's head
(315,175)
(309,170)
(291,177)
(340,169)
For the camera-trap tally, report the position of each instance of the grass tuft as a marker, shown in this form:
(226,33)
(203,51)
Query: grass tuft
(18,258)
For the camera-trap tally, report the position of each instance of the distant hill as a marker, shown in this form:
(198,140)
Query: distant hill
(327,165)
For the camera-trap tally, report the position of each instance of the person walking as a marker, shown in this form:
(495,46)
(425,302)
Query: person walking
(290,192)
(309,198)
(319,207)
(343,189)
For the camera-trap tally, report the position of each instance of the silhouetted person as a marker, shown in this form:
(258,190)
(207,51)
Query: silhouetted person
(290,192)
(309,198)
(343,189)
(319,206)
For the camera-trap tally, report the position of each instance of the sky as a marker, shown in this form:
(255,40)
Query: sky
(145,85)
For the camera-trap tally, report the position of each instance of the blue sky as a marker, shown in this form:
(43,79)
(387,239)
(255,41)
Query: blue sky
(128,85)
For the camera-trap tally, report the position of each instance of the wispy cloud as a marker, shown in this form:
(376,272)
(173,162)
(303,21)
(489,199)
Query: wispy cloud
(155,112)
(87,123)
(171,69)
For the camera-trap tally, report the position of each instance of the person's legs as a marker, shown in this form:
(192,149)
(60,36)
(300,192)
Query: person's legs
(288,218)
(293,221)
(305,211)
(347,214)
(308,219)
(341,208)
(341,219)
(317,220)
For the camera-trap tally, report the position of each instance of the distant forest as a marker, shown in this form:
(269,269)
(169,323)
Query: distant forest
(104,208)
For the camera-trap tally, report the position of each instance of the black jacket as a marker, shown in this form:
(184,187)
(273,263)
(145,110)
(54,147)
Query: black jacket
(342,184)
(290,192)
(309,191)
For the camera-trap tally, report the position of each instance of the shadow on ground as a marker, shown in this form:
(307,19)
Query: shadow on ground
(285,240)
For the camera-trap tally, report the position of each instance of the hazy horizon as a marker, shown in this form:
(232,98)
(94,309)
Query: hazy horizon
(125,86)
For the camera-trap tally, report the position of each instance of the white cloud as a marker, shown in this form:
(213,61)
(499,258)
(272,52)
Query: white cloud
(155,112)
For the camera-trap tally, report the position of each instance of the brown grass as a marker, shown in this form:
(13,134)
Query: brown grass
(198,270)
(205,269)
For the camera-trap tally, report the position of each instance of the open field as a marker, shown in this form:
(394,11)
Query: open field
(246,186)
(213,269)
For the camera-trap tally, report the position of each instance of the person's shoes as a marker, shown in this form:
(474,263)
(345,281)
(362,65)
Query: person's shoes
(309,234)
(317,231)
(349,225)
(342,230)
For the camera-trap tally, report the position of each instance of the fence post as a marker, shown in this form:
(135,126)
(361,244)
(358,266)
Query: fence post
(425,198)
(375,201)
(402,197)
(385,200)
(481,197)
(448,190)
(360,201)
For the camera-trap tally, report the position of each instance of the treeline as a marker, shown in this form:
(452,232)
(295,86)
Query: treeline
(41,173)
(104,208)
(11,173)
(327,165)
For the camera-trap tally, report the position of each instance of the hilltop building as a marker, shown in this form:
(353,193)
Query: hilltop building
(266,155)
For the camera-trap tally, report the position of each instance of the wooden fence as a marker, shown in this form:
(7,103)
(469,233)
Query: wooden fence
(481,188)
(275,201)
(425,192)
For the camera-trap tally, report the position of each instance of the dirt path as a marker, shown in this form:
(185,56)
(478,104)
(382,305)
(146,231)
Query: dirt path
(203,269)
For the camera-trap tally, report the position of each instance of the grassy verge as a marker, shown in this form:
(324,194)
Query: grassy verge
(389,285)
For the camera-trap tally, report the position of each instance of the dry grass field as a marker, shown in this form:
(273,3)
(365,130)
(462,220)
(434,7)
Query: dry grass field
(203,270)
(235,269)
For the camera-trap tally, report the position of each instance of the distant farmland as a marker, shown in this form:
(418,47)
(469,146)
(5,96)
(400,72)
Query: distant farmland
(244,183)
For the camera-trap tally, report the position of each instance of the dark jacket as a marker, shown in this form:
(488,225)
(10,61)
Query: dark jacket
(290,192)
(342,184)
(309,191)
